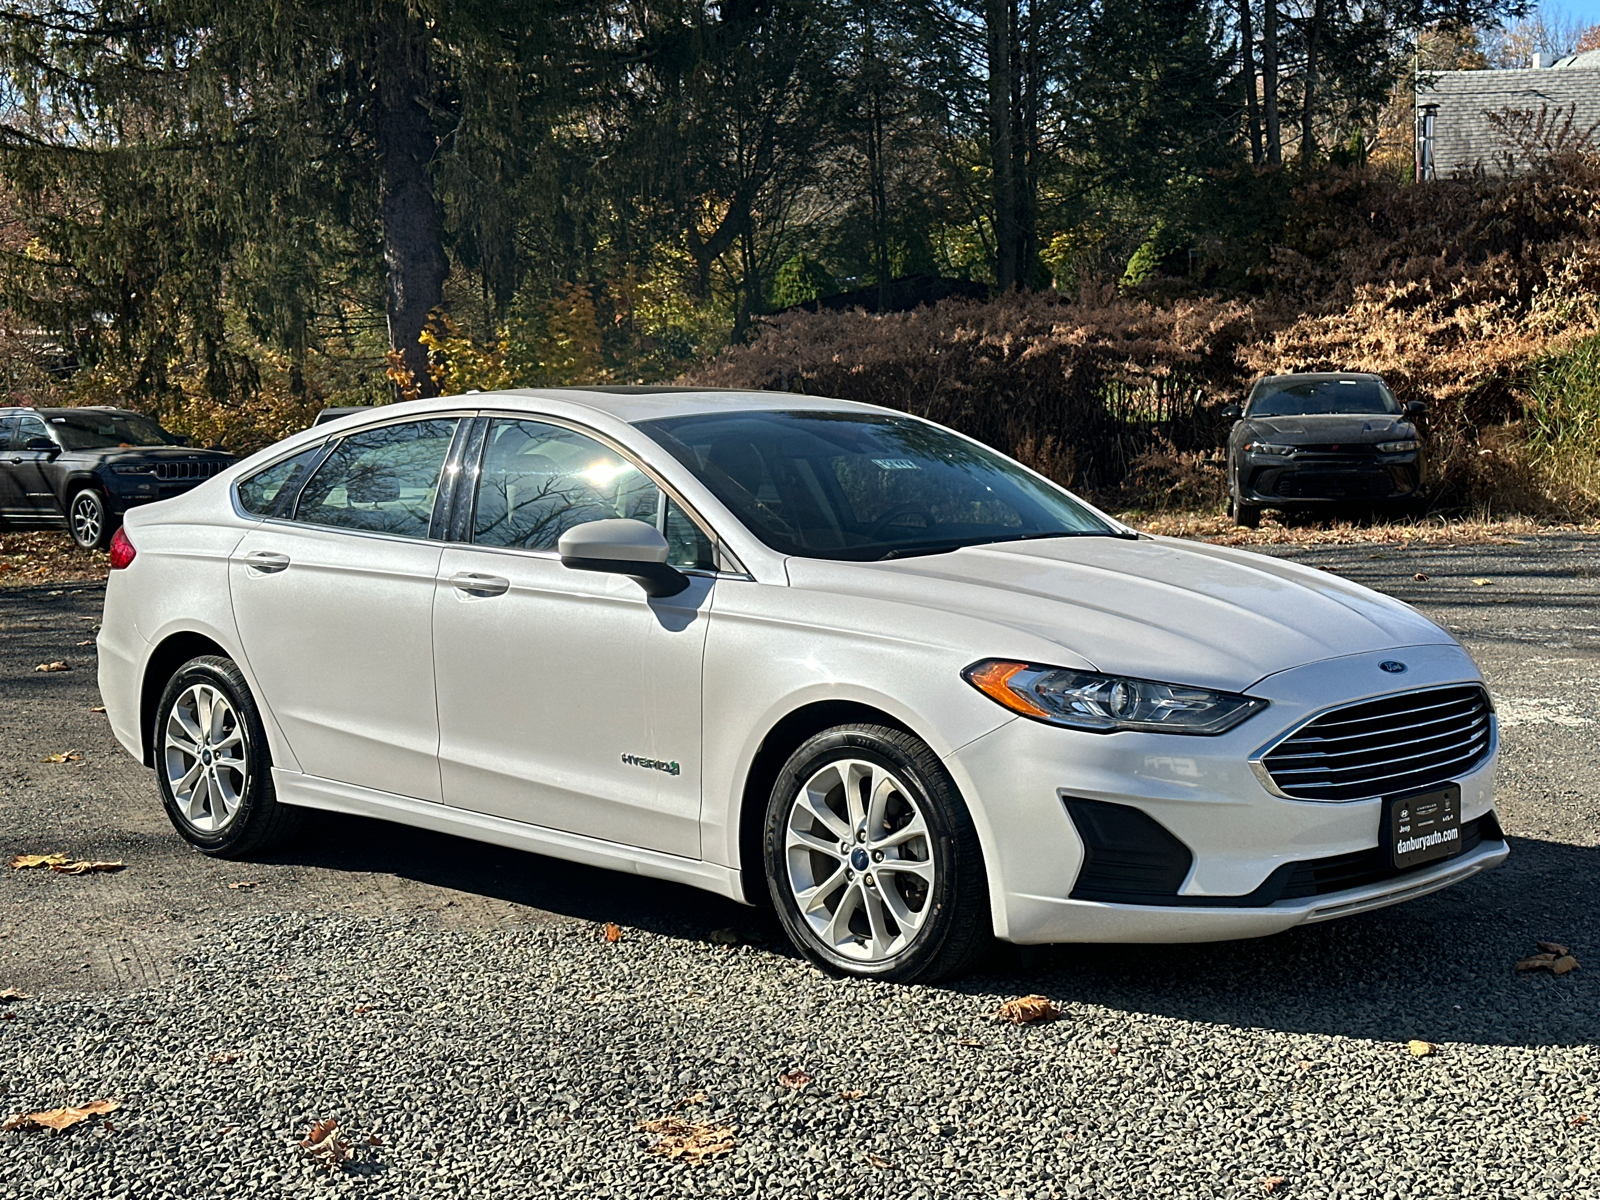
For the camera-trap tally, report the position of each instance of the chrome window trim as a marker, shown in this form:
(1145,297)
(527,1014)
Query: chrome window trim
(1257,760)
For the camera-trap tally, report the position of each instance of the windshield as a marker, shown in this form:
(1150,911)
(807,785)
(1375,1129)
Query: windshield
(102,430)
(862,486)
(1323,397)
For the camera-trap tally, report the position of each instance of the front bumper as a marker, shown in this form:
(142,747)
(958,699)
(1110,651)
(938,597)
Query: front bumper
(1203,793)
(1311,478)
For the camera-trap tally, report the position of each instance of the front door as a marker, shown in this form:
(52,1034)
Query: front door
(569,699)
(32,502)
(334,605)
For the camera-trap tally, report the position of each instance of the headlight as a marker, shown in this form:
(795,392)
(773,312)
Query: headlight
(1398,447)
(132,469)
(1268,448)
(1107,703)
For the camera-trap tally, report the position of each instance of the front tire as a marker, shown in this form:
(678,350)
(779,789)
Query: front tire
(213,765)
(872,859)
(89,520)
(1246,516)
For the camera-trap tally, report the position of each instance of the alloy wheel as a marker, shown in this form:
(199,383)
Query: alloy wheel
(859,860)
(206,759)
(88,519)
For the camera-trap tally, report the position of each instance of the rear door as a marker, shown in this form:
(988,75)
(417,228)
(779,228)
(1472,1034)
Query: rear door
(334,604)
(570,699)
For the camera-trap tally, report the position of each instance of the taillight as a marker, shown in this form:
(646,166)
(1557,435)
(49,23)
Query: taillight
(122,550)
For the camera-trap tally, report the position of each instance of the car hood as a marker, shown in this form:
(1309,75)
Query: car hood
(152,454)
(1322,430)
(1156,608)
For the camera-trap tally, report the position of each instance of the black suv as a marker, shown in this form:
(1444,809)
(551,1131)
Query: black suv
(1312,439)
(82,468)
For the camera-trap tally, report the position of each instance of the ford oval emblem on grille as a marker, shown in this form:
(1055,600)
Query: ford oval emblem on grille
(1389,665)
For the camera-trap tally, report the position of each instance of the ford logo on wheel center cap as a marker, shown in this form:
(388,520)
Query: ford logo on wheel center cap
(1391,666)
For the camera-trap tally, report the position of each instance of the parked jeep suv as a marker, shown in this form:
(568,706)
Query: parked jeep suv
(81,468)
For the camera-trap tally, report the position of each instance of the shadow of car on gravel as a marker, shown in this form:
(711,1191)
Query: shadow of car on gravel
(1438,968)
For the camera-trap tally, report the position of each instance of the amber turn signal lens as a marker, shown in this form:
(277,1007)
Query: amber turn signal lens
(993,679)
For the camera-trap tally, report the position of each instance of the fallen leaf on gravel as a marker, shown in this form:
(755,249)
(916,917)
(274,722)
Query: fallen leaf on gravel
(245,885)
(323,1145)
(851,1094)
(1535,962)
(7,995)
(65,756)
(8,1016)
(90,642)
(1482,582)
(58,665)
(224,1057)
(724,937)
(613,932)
(1563,964)
(1420,577)
(794,1080)
(1306,1065)
(1555,948)
(83,867)
(690,1141)
(1556,959)
(98,708)
(25,862)
(1272,1183)
(374,1140)
(879,1161)
(1579,1120)
(62,1118)
(1420,1048)
(1027,1010)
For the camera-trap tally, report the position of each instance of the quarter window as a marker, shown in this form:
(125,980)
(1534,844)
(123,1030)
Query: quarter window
(382,480)
(539,480)
(262,494)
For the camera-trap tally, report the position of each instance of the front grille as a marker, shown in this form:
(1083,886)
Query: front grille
(1331,485)
(1382,747)
(191,472)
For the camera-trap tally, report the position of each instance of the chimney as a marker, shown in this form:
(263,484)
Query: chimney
(1539,57)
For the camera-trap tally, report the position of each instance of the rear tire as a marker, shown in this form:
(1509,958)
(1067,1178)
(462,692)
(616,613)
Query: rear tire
(872,860)
(213,764)
(89,520)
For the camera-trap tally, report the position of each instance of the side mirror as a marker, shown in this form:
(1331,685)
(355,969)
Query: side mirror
(1415,408)
(1232,412)
(623,547)
(41,446)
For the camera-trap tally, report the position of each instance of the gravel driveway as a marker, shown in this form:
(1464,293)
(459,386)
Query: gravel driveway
(460,1012)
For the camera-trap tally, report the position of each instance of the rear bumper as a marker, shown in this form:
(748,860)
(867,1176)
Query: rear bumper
(122,653)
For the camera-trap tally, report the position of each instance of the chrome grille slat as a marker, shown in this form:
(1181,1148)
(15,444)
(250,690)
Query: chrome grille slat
(1385,746)
(1480,719)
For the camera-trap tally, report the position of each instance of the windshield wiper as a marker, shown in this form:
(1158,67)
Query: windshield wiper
(947,547)
(912,551)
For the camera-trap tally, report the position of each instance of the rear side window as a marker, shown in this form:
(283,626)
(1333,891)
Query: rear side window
(380,480)
(268,489)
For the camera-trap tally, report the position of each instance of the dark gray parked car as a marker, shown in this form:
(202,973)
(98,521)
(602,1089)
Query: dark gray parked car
(80,469)
(1311,440)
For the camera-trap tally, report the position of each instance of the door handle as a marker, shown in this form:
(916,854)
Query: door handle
(266,561)
(480,585)
(16,462)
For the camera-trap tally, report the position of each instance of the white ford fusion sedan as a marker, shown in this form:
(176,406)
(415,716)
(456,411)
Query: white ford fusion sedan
(790,648)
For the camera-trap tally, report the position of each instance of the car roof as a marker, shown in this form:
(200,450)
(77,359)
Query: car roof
(636,402)
(15,409)
(1319,377)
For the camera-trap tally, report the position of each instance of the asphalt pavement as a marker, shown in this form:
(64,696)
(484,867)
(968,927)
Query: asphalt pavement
(460,1012)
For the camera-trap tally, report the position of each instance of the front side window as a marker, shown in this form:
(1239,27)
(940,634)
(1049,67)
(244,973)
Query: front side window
(90,430)
(862,486)
(28,429)
(263,493)
(539,480)
(381,480)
